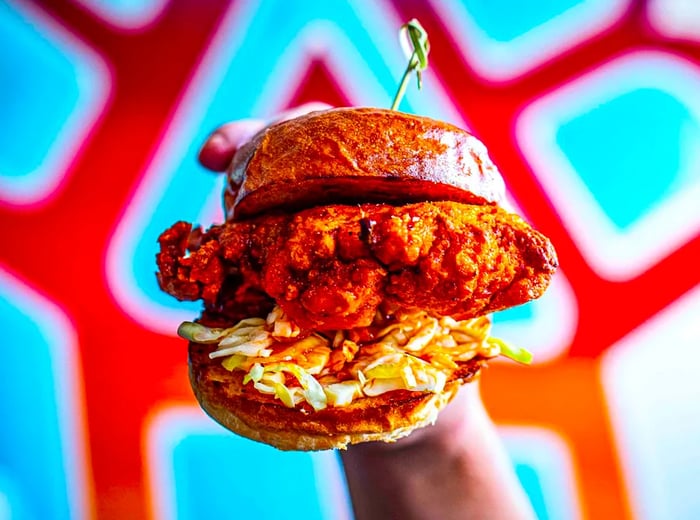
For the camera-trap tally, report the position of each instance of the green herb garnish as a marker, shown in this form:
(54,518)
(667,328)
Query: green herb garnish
(413,34)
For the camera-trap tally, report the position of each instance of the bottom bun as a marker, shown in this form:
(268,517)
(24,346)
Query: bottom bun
(249,413)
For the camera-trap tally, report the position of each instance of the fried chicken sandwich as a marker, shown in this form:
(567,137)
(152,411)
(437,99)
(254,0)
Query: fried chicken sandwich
(346,297)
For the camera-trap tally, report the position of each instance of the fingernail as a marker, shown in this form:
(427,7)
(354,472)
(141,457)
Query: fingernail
(214,153)
(217,140)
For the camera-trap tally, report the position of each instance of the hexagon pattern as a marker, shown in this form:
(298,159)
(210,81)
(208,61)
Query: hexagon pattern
(590,107)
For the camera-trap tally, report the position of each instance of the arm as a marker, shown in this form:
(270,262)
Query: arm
(455,469)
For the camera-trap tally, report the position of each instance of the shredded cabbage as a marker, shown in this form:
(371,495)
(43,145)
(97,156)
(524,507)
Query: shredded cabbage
(376,387)
(284,394)
(342,394)
(250,349)
(233,362)
(199,333)
(418,352)
(254,374)
(313,391)
(408,373)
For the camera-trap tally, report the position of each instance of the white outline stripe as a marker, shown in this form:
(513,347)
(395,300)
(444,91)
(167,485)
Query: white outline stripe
(506,61)
(139,15)
(170,424)
(68,392)
(549,454)
(651,385)
(94,81)
(612,253)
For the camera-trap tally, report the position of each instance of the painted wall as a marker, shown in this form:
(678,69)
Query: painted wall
(591,108)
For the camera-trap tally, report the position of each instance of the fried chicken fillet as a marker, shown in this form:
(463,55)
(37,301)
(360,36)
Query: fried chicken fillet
(346,297)
(334,267)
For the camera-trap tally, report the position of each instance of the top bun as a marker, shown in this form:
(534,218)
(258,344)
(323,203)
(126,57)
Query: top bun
(352,155)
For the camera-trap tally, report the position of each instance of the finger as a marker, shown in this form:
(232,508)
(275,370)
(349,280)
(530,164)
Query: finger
(218,150)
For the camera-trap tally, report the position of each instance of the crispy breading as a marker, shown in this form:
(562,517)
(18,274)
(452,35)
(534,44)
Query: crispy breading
(335,267)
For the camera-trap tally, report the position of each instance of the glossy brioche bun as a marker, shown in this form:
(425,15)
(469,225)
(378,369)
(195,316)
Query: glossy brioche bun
(260,417)
(359,155)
